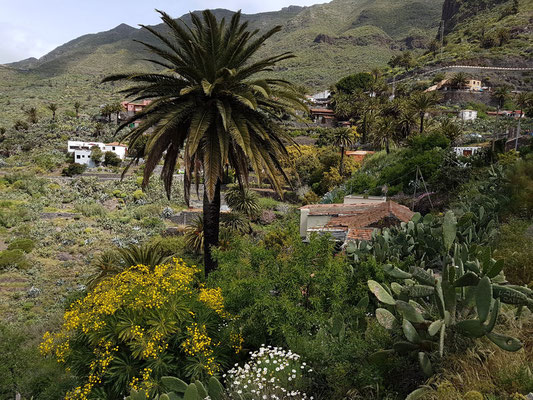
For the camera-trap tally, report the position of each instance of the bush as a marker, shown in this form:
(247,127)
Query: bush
(12,259)
(74,169)
(243,200)
(140,325)
(111,159)
(26,245)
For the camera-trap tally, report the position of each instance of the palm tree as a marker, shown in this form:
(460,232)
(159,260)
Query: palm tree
(52,107)
(523,100)
(243,200)
(501,93)
(384,133)
(32,115)
(343,137)
(422,103)
(459,80)
(77,106)
(211,103)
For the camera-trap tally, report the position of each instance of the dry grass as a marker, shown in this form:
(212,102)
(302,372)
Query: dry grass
(485,368)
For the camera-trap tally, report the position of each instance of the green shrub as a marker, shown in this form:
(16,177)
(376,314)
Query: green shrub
(111,159)
(74,169)
(91,209)
(26,245)
(138,195)
(12,259)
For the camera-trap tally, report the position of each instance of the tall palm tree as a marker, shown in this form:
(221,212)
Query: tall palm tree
(422,103)
(343,137)
(211,103)
(523,100)
(32,114)
(384,133)
(52,107)
(459,80)
(501,93)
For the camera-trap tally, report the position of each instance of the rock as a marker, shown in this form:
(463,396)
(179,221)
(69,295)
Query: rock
(65,256)
(34,292)
(167,212)
(322,38)
(529,396)
(267,217)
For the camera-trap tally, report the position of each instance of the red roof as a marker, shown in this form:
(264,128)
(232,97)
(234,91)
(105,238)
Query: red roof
(116,144)
(357,218)
(322,111)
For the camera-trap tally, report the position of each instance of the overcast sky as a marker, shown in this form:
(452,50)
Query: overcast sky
(32,28)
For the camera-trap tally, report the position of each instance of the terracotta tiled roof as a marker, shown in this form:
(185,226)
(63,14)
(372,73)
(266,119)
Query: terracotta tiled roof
(322,111)
(362,215)
(360,234)
(116,144)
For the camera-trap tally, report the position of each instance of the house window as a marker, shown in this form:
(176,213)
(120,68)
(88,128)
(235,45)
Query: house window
(83,156)
(78,156)
(113,148)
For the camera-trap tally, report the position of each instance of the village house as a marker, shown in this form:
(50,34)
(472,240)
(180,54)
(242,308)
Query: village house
(133,108)
(358,155)
(321,99)
(472,85)
(82,150)
(506,113)
(467,115)
(323,117)
(466,151)
(356,219)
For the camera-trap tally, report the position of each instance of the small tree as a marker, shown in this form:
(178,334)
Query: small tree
(501,93)
(503,36)
(459,80)
(77,106)
(32,115)
(97,154)
(111,159)
(434,47)
(343,138)
(52,107)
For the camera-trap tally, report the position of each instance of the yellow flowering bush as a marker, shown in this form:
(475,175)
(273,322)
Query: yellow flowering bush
(142,324)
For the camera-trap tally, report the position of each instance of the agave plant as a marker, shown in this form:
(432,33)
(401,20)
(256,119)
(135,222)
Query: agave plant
(194,235)
(113,262)
(243,200)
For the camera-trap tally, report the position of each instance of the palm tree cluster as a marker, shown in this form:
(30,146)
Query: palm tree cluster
(213,105)
(382,119)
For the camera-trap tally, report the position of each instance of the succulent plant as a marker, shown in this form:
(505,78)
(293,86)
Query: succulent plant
(176,389)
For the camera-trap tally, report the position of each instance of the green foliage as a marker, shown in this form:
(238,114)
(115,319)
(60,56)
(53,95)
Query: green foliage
(96,155)
(24,370)
(243,200)
(352,83)
(175,388)
(13,259)
(24,244)
(111,159)
(145,323)
(74,169)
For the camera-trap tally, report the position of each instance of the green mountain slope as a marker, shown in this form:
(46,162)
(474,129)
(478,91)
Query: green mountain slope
(360,34)
(489,32)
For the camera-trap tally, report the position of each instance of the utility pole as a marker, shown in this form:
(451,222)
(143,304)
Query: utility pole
(518,129)
(441,32)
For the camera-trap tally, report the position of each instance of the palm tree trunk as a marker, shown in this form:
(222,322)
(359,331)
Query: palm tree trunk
(422,122)
(211,227)
(342,159)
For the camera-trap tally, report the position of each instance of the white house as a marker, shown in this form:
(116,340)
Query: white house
(468,115)
(82,150)
(466,151)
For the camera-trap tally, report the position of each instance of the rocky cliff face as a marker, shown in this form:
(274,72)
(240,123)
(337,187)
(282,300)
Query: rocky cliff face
(455,11)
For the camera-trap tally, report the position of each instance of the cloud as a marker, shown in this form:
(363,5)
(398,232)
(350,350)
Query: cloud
(19,43)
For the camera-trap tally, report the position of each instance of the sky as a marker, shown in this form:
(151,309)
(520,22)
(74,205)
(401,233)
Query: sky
(32,28)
